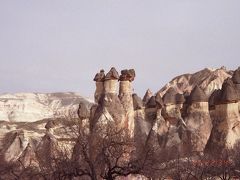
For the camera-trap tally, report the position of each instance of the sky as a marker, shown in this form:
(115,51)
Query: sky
(59,45)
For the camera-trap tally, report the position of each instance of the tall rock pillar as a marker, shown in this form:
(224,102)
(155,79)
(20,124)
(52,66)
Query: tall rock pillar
(99,78)
(236,81)
(125,96)
(198,121)
(226,129)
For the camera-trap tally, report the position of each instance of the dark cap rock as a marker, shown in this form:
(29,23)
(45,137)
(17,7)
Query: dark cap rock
(112,74)
(137,102)
(99,77)
(214,98)
(236,76)
(170,96)
(228,92)
(127,75)
(197,95)
(151,103)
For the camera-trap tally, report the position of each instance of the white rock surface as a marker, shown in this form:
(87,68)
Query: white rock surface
(30,107)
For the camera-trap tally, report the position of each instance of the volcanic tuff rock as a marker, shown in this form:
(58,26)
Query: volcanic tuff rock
(179,118)
(225,116)
(198,121)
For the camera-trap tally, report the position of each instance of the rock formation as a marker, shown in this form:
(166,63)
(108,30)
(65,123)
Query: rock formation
(198,121)
(125,96)
(109,107)
(48,148)
(226,119)
(171,121)
(99,78)
(194,113)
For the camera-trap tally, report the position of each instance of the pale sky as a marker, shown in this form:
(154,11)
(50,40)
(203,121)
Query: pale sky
(59,45)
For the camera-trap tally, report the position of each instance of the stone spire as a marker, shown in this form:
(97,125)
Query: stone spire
(198,121)
(127,76)
(99,78)
(126,97)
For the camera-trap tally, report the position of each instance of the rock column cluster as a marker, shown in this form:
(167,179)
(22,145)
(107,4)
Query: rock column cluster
(186,123)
